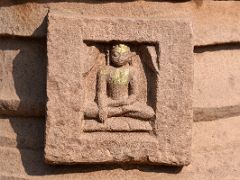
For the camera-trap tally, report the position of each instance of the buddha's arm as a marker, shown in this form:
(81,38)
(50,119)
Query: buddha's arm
(102,96)
(115,103)
(133,87)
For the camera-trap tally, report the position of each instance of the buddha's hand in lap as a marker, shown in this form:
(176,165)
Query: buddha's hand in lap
(119,103)
(116,103)
(134,107)
(129,101)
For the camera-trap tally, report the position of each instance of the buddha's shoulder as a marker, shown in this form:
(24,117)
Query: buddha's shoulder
(105,70)
(132,70)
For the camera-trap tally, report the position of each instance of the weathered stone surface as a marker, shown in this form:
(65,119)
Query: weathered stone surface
(217,84)
(114,124)
(23,19)
(215,150)
(216,22)
(22,77)
(29,19)
(171,139)
(215,155)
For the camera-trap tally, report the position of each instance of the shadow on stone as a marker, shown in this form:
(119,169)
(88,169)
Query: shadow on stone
(30,143)
(217,47)
(210,114)
(41,30)
(25,58)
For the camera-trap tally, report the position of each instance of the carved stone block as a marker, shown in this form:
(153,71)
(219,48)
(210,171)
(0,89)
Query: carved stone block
(119,90)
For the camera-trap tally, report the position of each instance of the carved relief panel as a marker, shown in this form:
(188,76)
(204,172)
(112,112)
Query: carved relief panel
(119,90)
(121,94)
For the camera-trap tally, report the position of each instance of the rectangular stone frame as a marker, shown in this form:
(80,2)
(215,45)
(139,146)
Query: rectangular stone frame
(66,143)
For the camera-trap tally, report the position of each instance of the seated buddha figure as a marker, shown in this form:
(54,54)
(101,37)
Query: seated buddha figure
(117,89)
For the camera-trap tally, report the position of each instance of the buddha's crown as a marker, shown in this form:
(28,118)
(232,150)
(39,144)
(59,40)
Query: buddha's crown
(121,48)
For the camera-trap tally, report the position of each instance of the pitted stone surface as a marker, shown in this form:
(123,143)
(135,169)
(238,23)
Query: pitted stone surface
(29,19)
(214,144)
(117,124)
(170,140)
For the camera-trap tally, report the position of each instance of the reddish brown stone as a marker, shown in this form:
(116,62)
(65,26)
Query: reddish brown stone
(217,84)
(170,140)
(29,19)
(22,77)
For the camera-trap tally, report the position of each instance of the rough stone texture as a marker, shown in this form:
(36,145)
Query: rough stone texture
(217,83)
(215,149)
(65,142)
(113,124)
(215,155)
(25,133)
(23,19)
(22,77)
(29,19)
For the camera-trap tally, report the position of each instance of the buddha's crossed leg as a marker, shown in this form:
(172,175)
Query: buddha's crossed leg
(135,110)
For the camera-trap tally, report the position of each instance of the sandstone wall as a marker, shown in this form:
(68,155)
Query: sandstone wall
(216,142)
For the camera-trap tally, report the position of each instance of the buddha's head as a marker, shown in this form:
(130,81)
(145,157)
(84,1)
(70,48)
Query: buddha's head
(120,55)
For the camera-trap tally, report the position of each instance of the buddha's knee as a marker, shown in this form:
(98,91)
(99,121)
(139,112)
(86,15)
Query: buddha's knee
(91,110)
(145,111)
(149,112)
(139,110)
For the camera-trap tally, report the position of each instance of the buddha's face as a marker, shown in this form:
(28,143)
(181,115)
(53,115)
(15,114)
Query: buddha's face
(120,57)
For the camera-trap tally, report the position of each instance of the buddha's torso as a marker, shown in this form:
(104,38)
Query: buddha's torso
(118,82)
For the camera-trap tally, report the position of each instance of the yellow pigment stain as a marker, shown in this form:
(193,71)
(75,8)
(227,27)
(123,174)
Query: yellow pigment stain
(104,71)
(120,76)
(122,48)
